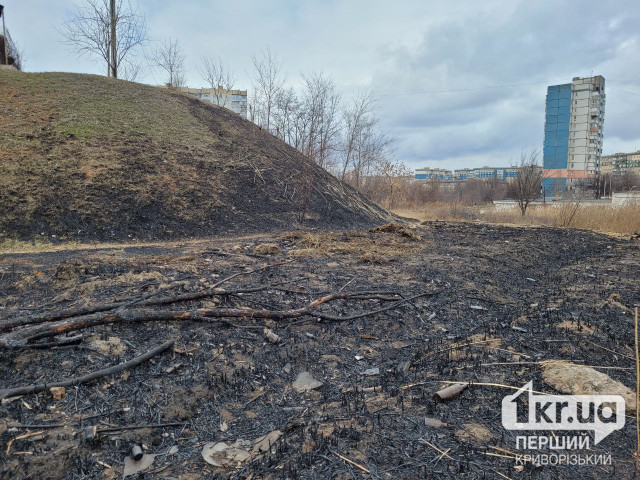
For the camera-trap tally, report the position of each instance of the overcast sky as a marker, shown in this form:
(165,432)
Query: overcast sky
(459,83)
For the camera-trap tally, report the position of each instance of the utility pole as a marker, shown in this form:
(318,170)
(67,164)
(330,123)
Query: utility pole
(114,58)
(4,36)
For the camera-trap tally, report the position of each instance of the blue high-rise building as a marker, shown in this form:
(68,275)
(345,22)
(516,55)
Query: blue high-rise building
(573,135)
(556,135)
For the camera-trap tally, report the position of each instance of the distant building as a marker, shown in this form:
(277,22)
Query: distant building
(625,198)
(433,173)
(235,100)
(574,118)
(620,163)
(463,174)
(502,174)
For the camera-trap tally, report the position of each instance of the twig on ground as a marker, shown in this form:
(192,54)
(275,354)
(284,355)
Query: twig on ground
(20,437)
(357,465)
(138,427)
(12,392)
(453,347)
(440,451)
(22,426)
(347,284)
(608,349)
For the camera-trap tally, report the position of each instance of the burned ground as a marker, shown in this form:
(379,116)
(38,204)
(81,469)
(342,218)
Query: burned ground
(499,302)
(91,158)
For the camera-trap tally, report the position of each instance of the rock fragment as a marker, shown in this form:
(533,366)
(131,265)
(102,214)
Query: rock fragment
(305,382)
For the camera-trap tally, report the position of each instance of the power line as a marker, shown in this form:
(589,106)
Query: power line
(429,92)
(623,91)
(472,89)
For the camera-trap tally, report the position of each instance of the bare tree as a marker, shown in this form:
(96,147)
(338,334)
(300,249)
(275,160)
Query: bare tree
(386,184)
(218,76)
(365,145)
(356,119)
(169,56)
(268,81)
(88,31)
(130,71)
(286,109)
(320,103)
(527,185)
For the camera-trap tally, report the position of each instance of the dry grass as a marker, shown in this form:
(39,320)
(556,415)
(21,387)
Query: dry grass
(606,219)
(9,245)
(371,247)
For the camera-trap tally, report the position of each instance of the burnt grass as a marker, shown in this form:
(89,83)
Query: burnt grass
(225,382)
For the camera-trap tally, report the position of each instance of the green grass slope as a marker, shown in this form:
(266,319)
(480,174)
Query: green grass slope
(91,158)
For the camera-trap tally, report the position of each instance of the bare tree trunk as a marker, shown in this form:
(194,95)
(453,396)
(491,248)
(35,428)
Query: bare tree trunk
(113,41)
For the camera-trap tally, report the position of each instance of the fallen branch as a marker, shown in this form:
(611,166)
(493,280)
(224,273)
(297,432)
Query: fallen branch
(21,337)
(382,309)
(139,427)
(63,342)
(146,300)
(12,392)
(454,346)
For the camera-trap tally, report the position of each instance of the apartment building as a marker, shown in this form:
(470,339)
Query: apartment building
(573,134)
(503,174)
(235,100)
(620,163)
(433,173)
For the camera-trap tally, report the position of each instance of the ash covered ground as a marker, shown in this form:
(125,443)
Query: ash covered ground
(497,302)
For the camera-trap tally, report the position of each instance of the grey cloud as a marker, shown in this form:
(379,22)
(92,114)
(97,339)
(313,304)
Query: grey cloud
(519,42)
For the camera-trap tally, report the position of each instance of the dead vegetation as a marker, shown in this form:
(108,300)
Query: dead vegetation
(341,389)
(378,245)
(605,219)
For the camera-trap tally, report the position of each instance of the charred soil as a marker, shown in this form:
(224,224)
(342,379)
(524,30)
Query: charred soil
(498,302)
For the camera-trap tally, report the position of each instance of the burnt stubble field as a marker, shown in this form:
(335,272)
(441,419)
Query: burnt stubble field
(401,311)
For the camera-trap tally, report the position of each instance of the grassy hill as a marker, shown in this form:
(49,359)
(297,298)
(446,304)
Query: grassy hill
(92,158)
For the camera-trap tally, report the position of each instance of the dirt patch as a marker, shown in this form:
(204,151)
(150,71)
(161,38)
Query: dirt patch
(475,433)
(110,346)
(577,327)
(55,455)
(580,380)
(182,402)
(484,341)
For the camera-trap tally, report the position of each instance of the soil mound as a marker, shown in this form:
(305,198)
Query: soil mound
(92,158)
